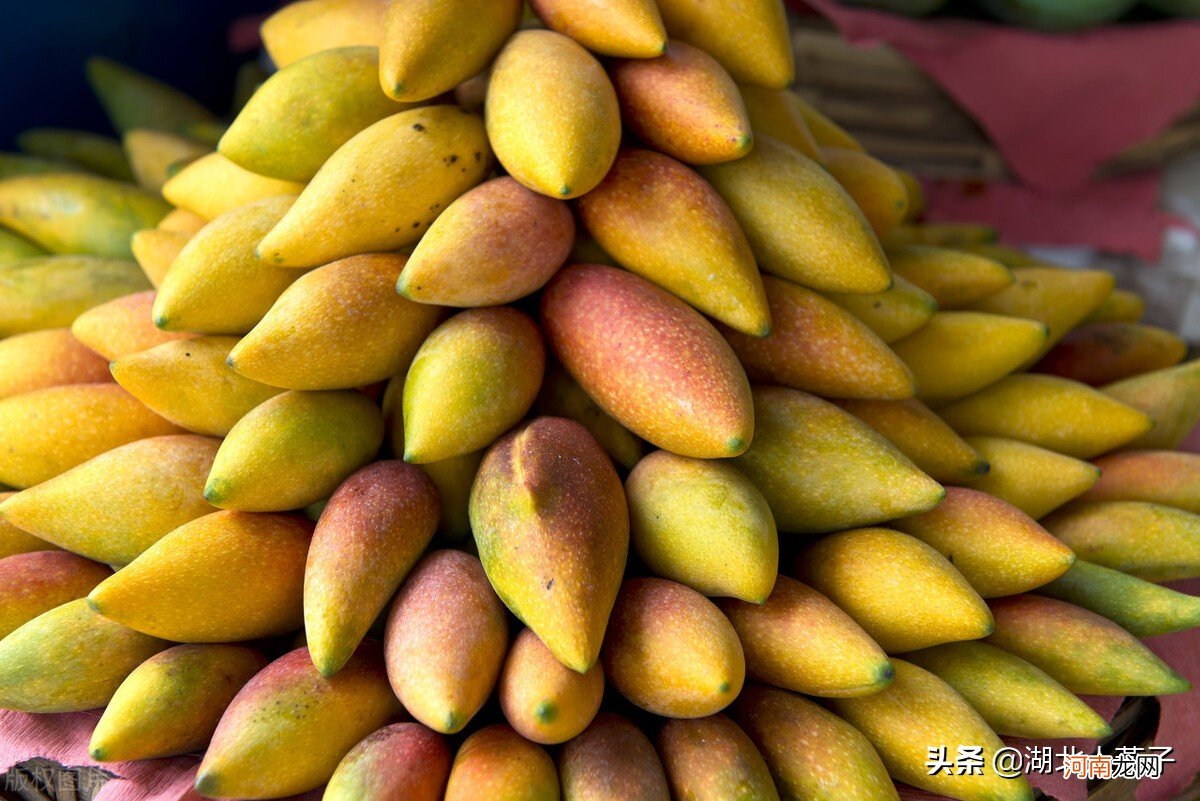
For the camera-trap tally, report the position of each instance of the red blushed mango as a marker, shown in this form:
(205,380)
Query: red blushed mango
(552,527)
(171,703)
(801,641)
(1079,649)
(561,396)
(683,103)
(370,534)
(649,360)
(954,278)
(1101,353)
(47,358)
(751,40)
(875,186)
(999,549)
(286,731)
(115,506)
(817,346)
(48,431)
(543,699)
(775,113)
(404,760)
(892,314)
(712,759)
(122,326)
(811,752)
(1033,479)
(1170,478)
(223,577)
(624,28)
(36,582)
(498,764)
(14,541)
(670,651)
(446,599)
(923,437)
(474,378)
(611,761)
(1171,398)
(494,244)
(661,220)
(1152,542)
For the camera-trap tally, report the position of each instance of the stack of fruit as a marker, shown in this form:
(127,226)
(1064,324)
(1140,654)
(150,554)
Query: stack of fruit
(212,548)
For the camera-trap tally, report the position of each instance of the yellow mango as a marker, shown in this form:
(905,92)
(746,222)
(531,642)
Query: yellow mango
(51,291)
(923,437)
(153,154)
(155,250)
(945,235)
(14,247)
(1121,306)
(122,326)
(711,759)
(893,313)
(801,224)
(954,278)
(1147,540)
(916,200)
(133,100)
(48,431)
(542,699)
(1050,412)
(213,185)
(561,396)
(875,186)
(625,29)
(189,383)
(1033,479)
(751,40)
(959,352)
(775,113)
(309,26)
(552,114)
(99,154)
(47,358)
(113,507)
(335,92)
(1170,397)
(182,221)
(14,541)
(216,285)
(294,449)
(498,764)
(825,131)
(431,46)
(382,188)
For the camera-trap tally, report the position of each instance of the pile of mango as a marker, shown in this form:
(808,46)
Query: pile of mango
(554,405)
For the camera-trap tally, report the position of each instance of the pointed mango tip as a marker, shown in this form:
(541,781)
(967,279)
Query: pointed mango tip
(724,687)
(764,331)
(981,467)
(745,142)
(94,604)
(207,783)
(736,445)
(161,320)
(212,493)
(564,190)
(546,711)
(453,722)
(97,753)
(885,673)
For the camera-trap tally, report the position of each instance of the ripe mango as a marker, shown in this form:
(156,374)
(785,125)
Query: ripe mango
(923,437)
(649,360)
(47,358)
(1121,306)
(495,244)
(799,640)
(445,599)
(711,759)
(944,235)
(751,40)
(550,520)
(661,220)
(474,378)
(670,651)
(369,536)
(122,326)
(171,703)
(36,582)
(954,278)
(51,291)
(918,711)
(1141,608)
(99,154)
(817,346)
(611,761)
(625,29)
(561,396)
(552,114)
(154,154)
(48,431)
(305,27)
(12,164)
(382,188)
(289,727)
(999,549)
(1153,542)
(775,113)
(822,469)
(14,541)
(498,764)
(431,46)
(811,752)
(182,221)
(1014,697)
(543,699)
(294,449)
(404,760)
(875,187)
(958,353)
(858,571)
(1169,478)
(892,314)
(801,224)
(213,185)
(216,285)
(825,131)
(116,505)
(335,92)
(68,660)
(1035,480)
(155,250)
(702,523)
(684,104)
(917,205)
(1170,397)
(14,247)
(1051,412)
(1080,649)
(222,577)
(1101,353)
(133,100)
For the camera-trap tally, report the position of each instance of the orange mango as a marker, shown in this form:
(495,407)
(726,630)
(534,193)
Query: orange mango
(751,41)
(404,760)
(1170,478)
(923,437)
(48,358)
(611,761)
(711,758)
(122,326)
(561,396)
(498,764)
(625,29)
(36,582)
(543,699)
(875,186)
(1101,353)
